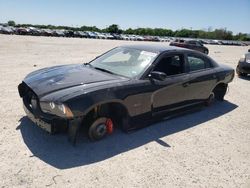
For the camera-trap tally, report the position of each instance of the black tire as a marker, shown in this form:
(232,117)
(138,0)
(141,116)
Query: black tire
(210,99)
(98,129)
(206,52)
(125,124)
(220,91)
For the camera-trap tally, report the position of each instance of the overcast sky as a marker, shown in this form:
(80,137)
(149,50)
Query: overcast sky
(173,14)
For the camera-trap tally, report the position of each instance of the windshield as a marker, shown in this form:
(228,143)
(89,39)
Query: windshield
(126,62)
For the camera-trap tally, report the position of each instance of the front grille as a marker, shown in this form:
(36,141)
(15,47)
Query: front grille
(30,99)
(246,68)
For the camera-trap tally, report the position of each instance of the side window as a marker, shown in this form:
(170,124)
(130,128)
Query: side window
(192,42)
(198,44)
(171,65)
(197,63)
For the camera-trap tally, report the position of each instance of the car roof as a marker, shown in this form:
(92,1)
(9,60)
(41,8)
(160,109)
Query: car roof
(159,48)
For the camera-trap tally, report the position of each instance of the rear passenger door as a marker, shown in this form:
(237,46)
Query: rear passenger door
(202,76)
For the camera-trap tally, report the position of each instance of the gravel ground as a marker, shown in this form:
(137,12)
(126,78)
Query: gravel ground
(207,148)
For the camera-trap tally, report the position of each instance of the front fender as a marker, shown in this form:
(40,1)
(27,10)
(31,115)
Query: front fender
(81,105)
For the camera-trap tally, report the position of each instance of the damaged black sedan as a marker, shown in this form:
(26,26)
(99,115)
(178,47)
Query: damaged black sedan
(126,87)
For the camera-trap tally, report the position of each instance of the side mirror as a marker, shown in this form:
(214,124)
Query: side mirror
(157,75)
(248,50)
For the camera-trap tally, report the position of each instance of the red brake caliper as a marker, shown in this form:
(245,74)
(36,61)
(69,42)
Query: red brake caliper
(110,126)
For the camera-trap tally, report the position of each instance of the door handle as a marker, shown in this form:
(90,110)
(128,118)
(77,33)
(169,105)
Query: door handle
(185,84)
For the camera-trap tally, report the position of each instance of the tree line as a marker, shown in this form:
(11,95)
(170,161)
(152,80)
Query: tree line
(219,34)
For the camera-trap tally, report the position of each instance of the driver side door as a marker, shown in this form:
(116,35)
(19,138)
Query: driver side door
(170,93)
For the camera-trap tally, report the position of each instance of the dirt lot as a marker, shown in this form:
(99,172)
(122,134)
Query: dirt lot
(208,148)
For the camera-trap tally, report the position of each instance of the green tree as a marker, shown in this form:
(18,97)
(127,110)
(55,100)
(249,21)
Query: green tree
(114,28)
(11,23)
(129,31)
(183,33)
(242,37)
(169,33)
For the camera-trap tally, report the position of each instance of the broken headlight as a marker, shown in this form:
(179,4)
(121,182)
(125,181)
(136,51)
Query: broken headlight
(58,109)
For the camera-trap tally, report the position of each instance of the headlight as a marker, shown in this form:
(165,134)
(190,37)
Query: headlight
(56,109)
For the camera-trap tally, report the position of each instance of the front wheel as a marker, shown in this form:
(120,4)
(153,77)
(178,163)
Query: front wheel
(100,128)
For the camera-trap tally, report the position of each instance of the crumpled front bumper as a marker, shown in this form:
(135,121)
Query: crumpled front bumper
(57,125)
(49,125)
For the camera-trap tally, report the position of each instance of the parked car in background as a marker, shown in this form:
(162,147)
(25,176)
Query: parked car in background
(243,67)
(7,30)
(109,36)
(100,35)
(46,32)
(22,31)
(91,34)
(165,39)
(124,37)
(204,41)
(58,33)
(156,39)
(190,44)
(196,44)
(148,38)
(117,36)
(34,31)
(244,44)
(80,34)
(69,33)
(139,38)
(133,37)
(127,87)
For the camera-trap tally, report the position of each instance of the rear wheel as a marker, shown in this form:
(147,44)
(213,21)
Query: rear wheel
(100,127)
(210,99)
(220,91)
(206,51)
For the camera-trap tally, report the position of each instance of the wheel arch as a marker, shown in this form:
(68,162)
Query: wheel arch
(114,109)
(220,90)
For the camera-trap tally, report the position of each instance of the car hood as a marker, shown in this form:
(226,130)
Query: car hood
(48,80)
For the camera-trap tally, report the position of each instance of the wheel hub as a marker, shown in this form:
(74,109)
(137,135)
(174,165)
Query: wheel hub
(101,130)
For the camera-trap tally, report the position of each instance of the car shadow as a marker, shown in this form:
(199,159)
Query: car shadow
(57,151)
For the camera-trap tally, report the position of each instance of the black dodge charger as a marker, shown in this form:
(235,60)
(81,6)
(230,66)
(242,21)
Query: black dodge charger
(126,87)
